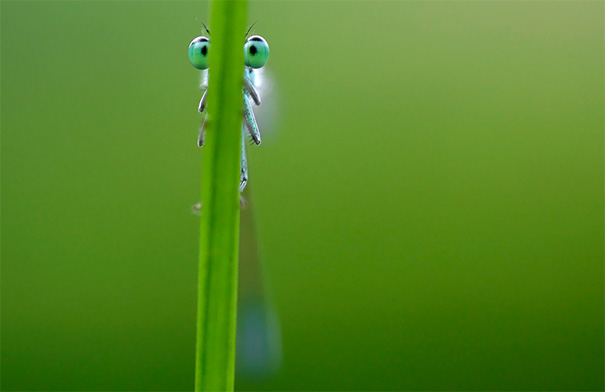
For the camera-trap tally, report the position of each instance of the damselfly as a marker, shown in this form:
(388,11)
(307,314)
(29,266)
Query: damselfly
(256,54)
(258,337)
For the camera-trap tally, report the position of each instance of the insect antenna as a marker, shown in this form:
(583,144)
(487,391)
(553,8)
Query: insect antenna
(205,28)
(248,32)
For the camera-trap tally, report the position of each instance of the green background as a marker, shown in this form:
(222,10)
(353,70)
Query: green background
(428,195)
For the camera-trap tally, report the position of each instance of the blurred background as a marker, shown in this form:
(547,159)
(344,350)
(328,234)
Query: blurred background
(428,197)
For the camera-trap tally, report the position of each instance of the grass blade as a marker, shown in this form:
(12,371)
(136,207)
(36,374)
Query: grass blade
(217,285)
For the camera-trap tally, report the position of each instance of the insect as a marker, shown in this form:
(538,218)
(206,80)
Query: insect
(256,54)
(258,341)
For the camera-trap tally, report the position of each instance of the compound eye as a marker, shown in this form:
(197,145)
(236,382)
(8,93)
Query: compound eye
(198,52)
(256,51)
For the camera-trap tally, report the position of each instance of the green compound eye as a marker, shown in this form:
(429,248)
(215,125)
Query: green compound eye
(256,51)
(198,52)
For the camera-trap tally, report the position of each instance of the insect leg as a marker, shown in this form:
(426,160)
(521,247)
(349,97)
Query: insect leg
(243,164)
(202,105)
(250,121)
(251,90)
(202,137)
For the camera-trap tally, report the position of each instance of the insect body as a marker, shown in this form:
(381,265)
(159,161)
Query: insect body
(256,54)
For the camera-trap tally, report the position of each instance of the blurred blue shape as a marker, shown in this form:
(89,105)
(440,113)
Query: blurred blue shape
(258,342)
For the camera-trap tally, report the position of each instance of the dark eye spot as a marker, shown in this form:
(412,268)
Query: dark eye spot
(204,50)
(253,50)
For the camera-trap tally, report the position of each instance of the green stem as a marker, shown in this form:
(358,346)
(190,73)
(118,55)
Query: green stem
(217,284)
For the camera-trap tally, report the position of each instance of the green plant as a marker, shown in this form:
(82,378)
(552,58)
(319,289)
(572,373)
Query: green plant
(217,287)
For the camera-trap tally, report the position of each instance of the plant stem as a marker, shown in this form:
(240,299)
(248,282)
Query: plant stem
(217,284)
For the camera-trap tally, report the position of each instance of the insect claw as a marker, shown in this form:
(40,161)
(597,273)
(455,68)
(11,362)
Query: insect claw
(202,136)
(197,209)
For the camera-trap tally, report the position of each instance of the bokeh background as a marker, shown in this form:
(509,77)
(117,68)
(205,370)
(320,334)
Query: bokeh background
(428,197)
